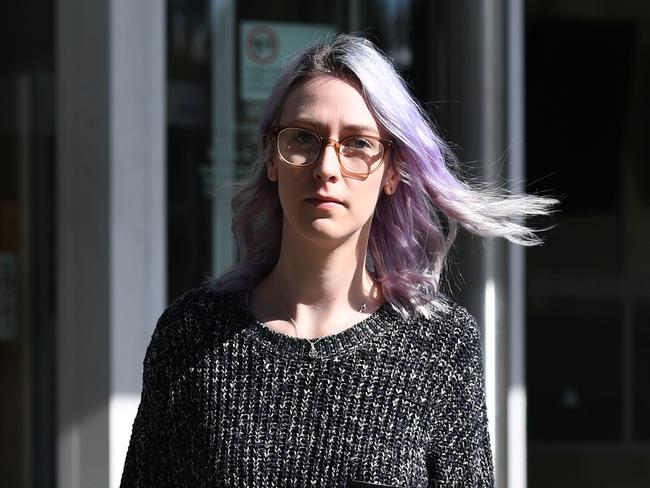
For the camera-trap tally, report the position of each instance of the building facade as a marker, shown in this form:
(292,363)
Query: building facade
(122,125)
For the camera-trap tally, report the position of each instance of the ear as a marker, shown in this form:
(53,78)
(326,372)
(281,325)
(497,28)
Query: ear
(272,170)
(391,180)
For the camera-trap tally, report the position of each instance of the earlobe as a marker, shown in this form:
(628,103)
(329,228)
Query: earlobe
(392,181)
(271,172)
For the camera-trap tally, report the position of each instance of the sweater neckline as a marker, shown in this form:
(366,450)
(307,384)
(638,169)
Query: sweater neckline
(367,329)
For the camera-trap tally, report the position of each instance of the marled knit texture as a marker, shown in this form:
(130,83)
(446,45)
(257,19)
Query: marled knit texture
(227,401)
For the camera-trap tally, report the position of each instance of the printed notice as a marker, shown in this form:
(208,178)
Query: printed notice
(264,48)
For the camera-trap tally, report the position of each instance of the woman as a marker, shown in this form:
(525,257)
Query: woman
(327,356)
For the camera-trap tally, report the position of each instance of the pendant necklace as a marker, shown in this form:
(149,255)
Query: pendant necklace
(312,352)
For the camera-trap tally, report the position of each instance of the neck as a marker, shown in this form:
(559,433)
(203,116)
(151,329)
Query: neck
(323,278)
(320,289)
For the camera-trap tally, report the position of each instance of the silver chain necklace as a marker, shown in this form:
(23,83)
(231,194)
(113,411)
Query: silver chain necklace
(313,353)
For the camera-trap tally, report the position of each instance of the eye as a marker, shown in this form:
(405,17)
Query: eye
(305,138)
(358,143)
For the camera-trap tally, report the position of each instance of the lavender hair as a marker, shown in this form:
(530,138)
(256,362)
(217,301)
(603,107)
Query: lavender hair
(413,229)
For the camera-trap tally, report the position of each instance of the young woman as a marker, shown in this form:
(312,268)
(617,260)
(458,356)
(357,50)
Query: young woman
(327,355)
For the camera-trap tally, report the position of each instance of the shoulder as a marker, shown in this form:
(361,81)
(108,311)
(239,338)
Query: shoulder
(451,331)
(198,311)
(190,325)
(200,301)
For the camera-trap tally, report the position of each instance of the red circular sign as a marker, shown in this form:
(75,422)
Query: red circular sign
(262,44)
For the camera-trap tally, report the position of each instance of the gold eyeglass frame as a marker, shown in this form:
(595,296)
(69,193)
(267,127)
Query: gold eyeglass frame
(324,142)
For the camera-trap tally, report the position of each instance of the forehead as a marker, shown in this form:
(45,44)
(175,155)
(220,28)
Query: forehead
(328,102)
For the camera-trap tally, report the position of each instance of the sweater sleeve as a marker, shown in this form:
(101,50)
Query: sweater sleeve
(461,455)
(148,456)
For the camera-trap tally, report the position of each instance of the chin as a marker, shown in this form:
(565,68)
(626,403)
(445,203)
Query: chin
(330,234)
(322,231)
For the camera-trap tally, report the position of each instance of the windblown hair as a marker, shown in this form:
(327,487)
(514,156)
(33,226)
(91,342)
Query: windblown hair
(413,229)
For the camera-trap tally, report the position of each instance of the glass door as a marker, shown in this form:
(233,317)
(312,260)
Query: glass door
(223,58)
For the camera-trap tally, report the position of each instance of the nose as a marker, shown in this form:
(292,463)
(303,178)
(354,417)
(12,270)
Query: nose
(327,167)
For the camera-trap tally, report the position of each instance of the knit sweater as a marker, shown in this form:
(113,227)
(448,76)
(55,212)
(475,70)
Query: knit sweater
(227,401)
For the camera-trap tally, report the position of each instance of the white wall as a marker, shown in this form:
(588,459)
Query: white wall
(110,225)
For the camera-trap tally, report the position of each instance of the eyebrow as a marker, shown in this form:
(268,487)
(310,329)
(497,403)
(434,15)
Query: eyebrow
(348,127)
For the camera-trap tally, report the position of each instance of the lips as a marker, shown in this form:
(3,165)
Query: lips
(324,200)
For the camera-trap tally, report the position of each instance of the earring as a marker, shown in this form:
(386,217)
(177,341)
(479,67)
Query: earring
(388,189)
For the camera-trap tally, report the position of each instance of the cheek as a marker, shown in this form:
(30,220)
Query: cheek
(290,186)
(366,197)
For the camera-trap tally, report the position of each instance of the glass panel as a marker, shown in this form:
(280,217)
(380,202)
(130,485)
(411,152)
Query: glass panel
(642,369)
(219,68)
(27,244)
(574,143)
(574,369)
(188,141)
(268,33)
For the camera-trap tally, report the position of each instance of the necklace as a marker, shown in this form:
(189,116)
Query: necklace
(312,352)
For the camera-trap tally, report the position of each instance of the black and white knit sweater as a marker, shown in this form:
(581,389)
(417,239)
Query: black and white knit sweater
(227,401)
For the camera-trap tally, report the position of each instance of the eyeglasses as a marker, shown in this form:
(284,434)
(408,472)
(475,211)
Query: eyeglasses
(358,155)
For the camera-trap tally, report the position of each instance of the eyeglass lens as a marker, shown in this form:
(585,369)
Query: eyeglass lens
(358,154)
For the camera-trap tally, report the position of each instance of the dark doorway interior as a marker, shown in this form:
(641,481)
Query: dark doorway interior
(587,290)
